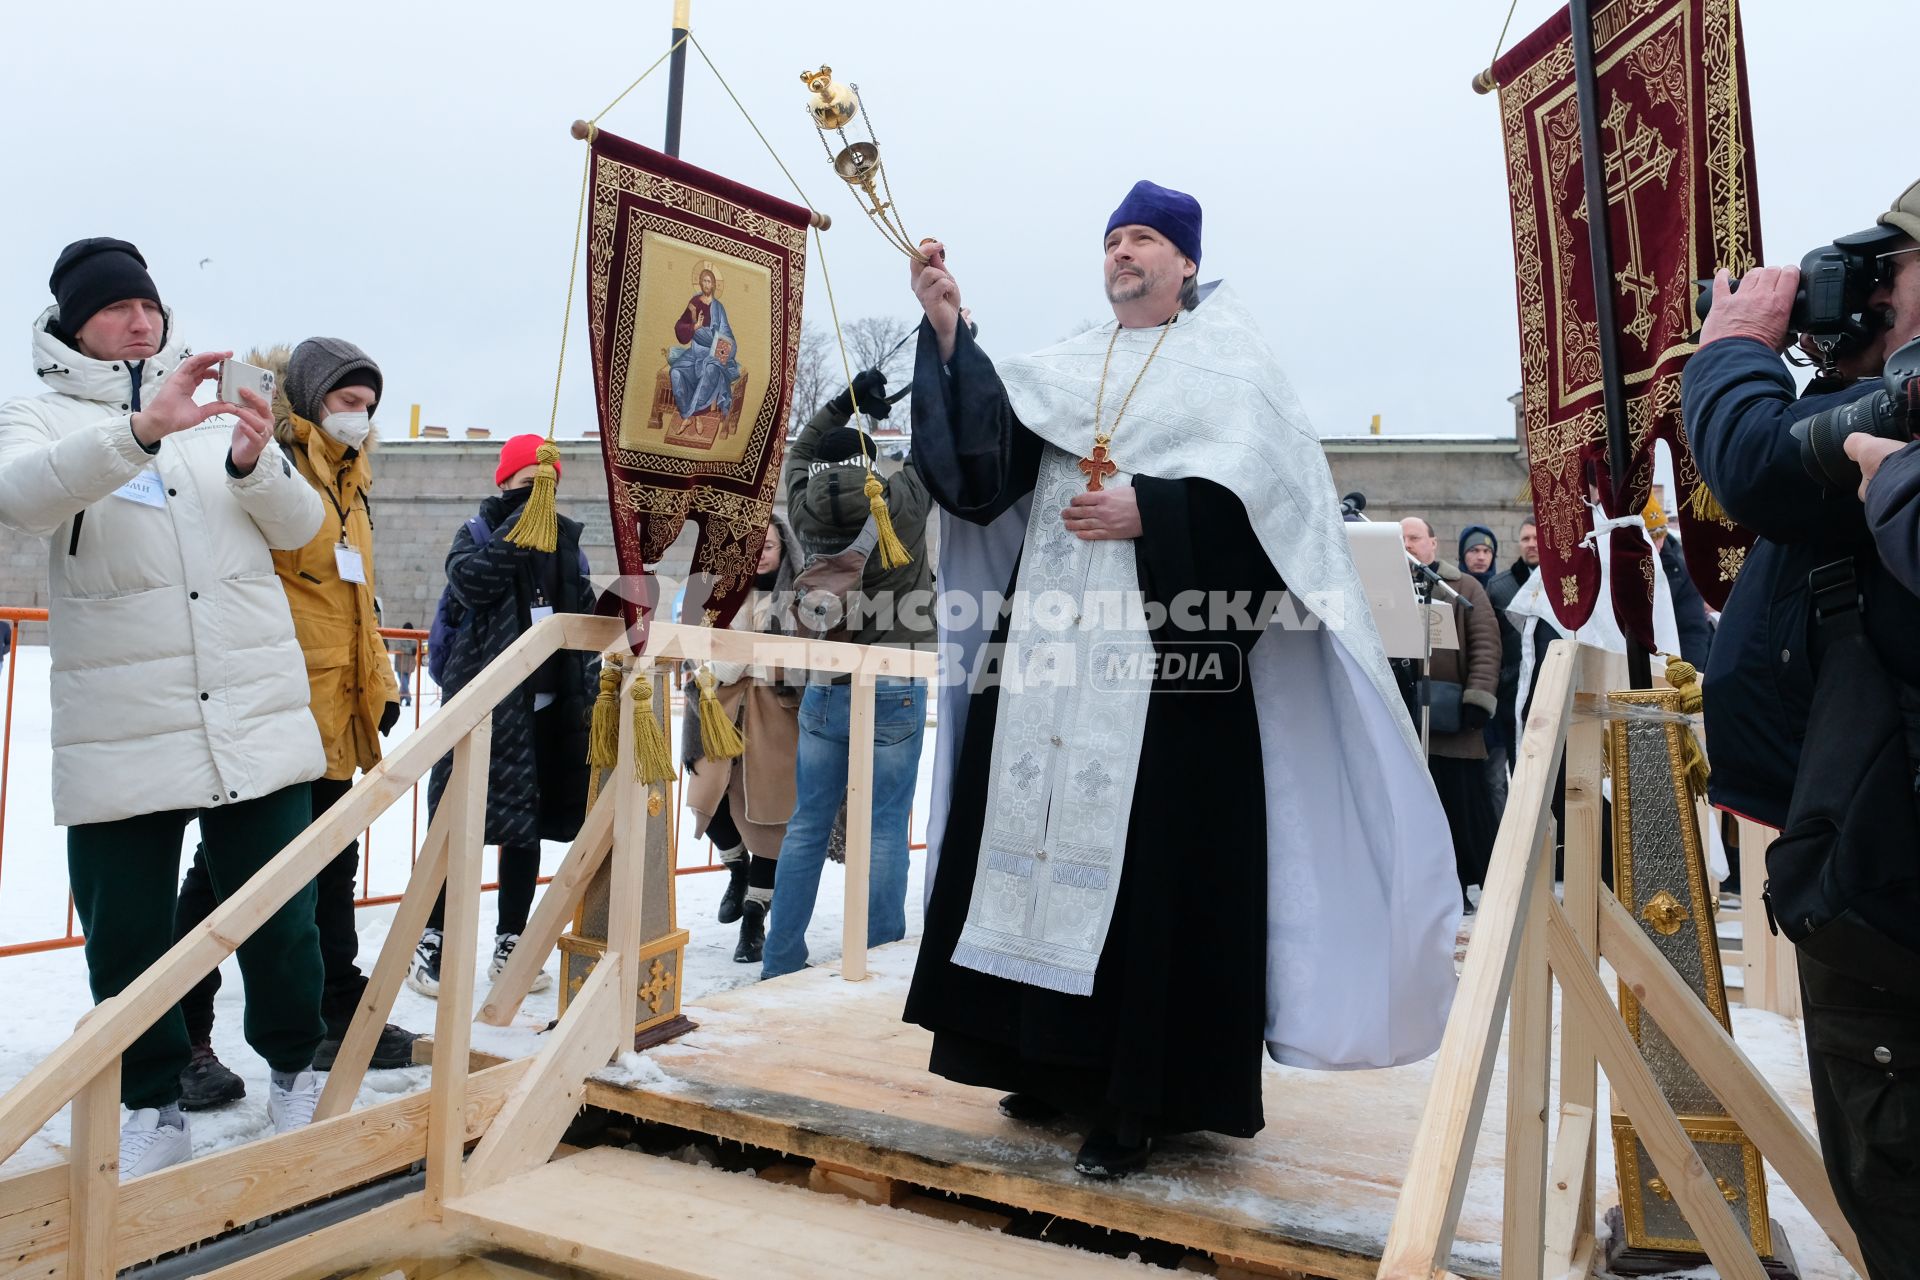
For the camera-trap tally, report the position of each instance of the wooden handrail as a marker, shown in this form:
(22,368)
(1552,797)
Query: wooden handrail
(1429,1209)
(116,1023)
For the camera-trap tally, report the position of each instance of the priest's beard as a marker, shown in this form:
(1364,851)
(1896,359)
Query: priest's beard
(1130,284)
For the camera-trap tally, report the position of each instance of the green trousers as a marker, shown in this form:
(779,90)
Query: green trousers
(124,876)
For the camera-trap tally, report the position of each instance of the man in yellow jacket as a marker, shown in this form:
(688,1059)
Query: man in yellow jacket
(328,390)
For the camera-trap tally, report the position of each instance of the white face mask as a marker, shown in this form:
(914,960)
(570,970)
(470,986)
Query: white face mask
(350,429)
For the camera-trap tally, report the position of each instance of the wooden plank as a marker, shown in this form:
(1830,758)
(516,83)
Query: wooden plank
(1429,1205)
(193,1202)
(1725,1068)
(824,1069)
(1529,1080)
(853,936)
(94,1163)
(377,1235)
(1585,761)
(627,870)
(581,1212)
(190,1203)
(389,973)
(117,1022)
(551,914)
(1564,1229)
(672,642)
(1771,967)
(552,1091)
(1637,1093)
(33,1223)
(466,797)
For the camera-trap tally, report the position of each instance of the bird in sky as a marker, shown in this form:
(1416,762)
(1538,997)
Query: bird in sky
(204,262)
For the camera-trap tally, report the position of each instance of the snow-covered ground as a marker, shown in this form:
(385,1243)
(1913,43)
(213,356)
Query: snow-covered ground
(45,993)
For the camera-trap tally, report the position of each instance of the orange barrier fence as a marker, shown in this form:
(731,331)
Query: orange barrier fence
(417,694)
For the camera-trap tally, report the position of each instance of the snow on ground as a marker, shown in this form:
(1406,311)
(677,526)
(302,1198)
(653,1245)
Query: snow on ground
(46,992)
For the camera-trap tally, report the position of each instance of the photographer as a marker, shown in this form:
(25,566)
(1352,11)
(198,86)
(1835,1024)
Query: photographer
(1814,581)
(179,692)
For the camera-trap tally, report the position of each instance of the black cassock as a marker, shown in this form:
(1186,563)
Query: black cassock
(1172,1035)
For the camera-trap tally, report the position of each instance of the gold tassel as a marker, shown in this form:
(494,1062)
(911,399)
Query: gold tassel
(893,552)
(538,527)
(1703,506)
(1686,681)
(719,739)
(603,739)
(652,758)
(1525,496)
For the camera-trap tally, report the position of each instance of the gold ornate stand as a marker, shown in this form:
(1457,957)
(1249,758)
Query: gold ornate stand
(1660,878)
(657,1016)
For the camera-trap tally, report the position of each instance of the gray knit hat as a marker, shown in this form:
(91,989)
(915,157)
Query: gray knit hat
(320,365)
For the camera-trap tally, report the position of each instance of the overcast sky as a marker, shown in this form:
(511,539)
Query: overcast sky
(400,174)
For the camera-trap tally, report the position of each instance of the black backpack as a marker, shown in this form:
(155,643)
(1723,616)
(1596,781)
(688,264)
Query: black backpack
(1843,878)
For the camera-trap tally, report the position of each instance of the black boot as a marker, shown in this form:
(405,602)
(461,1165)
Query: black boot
(753,932)
(1113,1154)
(736,889)
(207,1083)
(1029,1108)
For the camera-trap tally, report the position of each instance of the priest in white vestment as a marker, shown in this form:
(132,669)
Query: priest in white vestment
(1185,812)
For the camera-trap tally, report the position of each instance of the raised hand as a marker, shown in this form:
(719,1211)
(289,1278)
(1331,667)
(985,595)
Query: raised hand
(252,428)
(172,407)
(938,293)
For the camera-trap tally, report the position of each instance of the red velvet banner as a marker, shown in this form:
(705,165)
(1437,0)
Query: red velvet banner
(694,286)
(1677,136)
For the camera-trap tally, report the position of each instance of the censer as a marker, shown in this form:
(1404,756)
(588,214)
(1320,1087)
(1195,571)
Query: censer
(834,106)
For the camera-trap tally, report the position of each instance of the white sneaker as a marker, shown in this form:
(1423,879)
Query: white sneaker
(423,975)
(147,1145)
(291,1109)
(503,945)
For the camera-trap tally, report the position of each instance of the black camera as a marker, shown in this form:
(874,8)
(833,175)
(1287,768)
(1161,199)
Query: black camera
(1830,305)
(1892,413)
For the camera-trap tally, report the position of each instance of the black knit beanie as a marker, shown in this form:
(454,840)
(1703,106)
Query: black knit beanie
(95,273)
(842,443)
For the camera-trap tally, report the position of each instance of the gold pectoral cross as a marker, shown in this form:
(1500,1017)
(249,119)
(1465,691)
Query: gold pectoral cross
(1097,465)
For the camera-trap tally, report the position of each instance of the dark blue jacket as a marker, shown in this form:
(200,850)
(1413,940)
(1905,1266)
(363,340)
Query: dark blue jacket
(1738,402)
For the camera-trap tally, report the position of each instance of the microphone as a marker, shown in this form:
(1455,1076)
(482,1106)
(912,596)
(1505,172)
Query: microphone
(1352,505)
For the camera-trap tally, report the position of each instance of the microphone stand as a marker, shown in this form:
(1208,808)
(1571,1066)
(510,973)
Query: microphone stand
(1431,581)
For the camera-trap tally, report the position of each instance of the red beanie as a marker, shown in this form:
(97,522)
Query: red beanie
(517,453)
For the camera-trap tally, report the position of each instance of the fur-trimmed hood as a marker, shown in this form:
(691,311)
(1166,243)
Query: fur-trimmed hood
(287,428)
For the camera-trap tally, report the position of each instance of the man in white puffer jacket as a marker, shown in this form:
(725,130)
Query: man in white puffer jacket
(179,691)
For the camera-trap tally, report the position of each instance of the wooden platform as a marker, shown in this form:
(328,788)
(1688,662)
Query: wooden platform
(629,1216)
(825,1069)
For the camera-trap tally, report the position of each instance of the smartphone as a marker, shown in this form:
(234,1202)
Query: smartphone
(238,374)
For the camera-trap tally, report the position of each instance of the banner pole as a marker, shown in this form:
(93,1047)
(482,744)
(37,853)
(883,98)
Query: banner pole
(677,75)
(1593,167)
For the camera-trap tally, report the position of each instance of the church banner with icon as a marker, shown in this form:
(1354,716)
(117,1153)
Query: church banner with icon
(694,287)
(1677,136)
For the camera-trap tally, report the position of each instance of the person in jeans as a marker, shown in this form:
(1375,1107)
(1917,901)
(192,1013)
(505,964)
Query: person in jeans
(537,772)
(825,478)
(327,392)
(406,656)
(179,692)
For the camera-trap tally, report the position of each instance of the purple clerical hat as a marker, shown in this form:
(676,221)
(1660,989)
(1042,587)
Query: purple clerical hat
(1174,214)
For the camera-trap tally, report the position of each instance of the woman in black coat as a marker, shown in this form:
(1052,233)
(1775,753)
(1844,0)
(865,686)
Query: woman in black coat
(537,772)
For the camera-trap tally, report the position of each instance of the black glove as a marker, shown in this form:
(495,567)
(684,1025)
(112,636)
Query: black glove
(870,388)
(389,718)
(1473,717)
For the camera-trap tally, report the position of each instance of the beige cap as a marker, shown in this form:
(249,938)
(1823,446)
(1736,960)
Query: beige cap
(1905,214)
